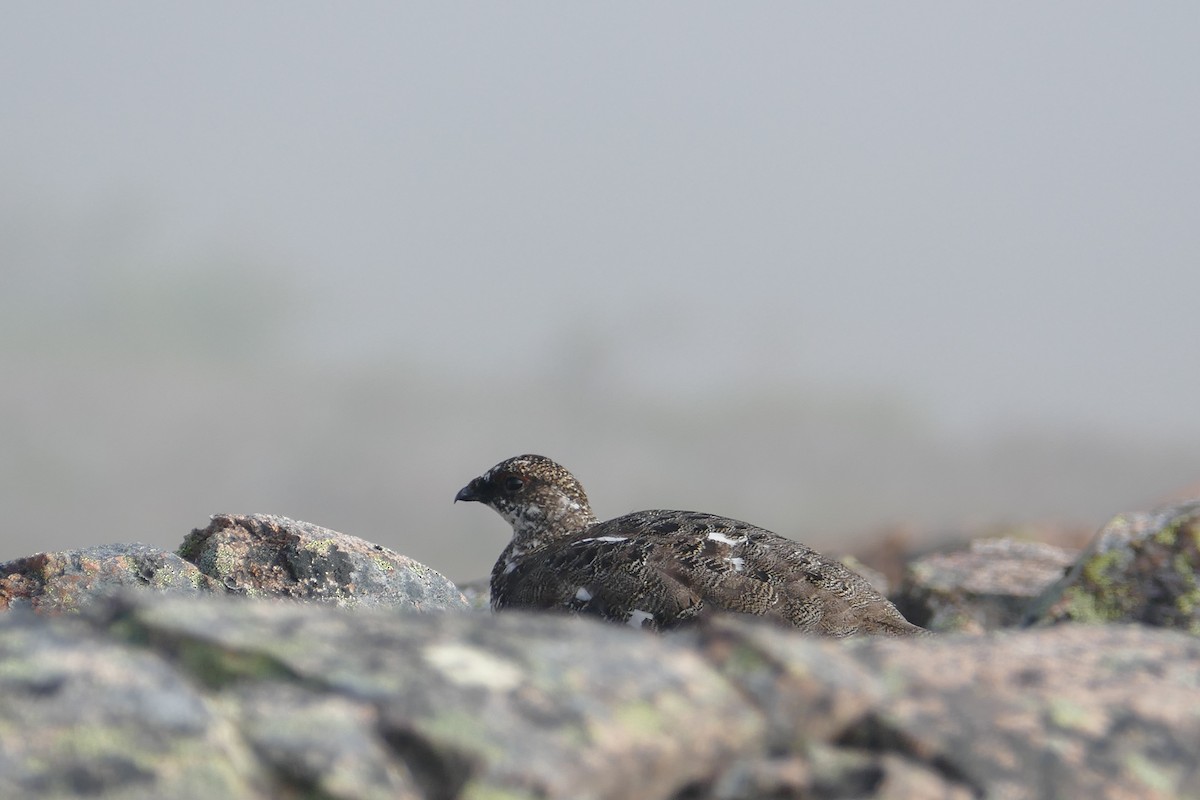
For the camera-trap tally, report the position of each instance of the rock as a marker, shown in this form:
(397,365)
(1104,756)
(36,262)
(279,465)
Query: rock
(1098,712)
(145,696)
(83,713)
(1141,567)
(255,555)
(64,581)
(1074,711)
(446,705)
(985,586)
(264,555)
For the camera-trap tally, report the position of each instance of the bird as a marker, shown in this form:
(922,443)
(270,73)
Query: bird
(662,569)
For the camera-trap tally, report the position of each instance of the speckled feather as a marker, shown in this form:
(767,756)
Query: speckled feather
(661,569)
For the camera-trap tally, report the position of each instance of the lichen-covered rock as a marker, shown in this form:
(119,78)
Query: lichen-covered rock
(263,555)
(82,714)
(1141,567)
(255,555)
(1075,711)
(452,705)
(986,585)
(145,696)
(52,583)
(322,745)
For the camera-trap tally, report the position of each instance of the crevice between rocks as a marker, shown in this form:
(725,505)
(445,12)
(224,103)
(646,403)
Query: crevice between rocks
(874,734)
(440,772)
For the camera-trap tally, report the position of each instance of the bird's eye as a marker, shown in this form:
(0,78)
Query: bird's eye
(513,484)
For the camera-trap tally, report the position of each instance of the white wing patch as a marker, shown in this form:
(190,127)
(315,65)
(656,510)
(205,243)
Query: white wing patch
(602,539)
(720,537)
(739,564)
(583,595)
(639,617)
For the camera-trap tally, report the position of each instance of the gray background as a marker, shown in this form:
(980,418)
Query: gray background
(829,268)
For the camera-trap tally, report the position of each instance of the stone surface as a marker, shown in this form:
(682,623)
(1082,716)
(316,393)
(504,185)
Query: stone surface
(186,693)
(986,585)
(163,696)
(254,555)
(83,714)
(263,555)
(65,581)
(1141,567)
(1072,712)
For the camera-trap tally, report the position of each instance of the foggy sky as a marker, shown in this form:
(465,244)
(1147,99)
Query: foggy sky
(990,213)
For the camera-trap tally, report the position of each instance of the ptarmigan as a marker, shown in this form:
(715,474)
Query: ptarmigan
(662,569)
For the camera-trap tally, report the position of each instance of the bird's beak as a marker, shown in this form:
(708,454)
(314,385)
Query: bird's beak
(467,494)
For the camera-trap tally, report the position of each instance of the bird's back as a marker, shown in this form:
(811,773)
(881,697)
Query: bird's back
(662,569)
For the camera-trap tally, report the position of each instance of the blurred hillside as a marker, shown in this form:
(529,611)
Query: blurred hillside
(137,402)
(99,449)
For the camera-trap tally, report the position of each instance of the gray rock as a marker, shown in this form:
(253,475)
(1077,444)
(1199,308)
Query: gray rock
(1141,567)
(986,585)
(1098,712)
(1074,711)
(323,745)
(264,555)
(451,705)
(64,581)
(84,714)
(254,555)
(146,696)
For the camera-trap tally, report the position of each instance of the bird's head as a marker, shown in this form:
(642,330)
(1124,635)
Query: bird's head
(539,498)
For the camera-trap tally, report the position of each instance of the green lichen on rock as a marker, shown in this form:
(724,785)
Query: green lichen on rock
(1141,568)
(211,664)
(215,667)
(320,547)
(263,555)
(1102,595)
(1158,778)
(640,719)
(459,731)
(486,791)
(1072,716)
(1080,605)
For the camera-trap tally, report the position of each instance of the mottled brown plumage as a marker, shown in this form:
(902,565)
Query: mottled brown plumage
(662,569)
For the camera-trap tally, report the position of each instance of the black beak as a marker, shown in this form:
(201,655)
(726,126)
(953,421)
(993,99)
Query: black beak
(467,494)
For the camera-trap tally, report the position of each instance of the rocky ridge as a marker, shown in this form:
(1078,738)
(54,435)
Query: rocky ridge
(132,673)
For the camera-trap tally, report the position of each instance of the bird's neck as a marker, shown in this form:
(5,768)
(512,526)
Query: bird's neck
(536,526)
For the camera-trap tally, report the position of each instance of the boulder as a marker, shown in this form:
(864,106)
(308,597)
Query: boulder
(1141,567)
(256,555)
(985,585)
(52,583)
(84,714)
(265,555)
